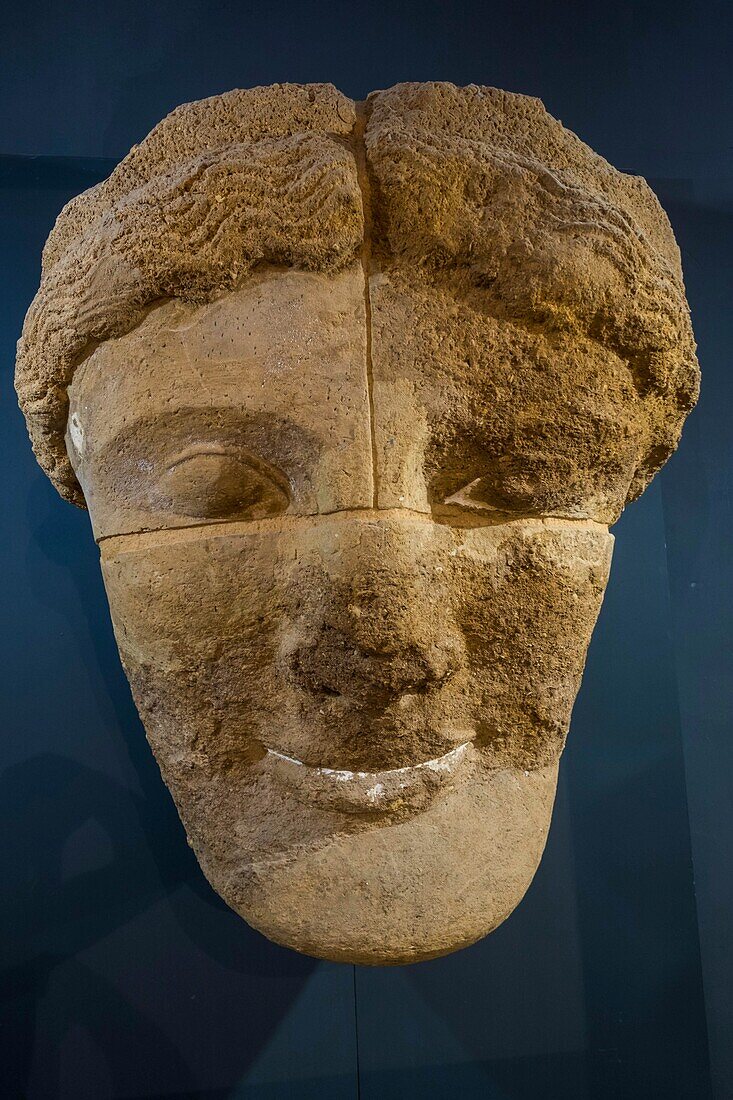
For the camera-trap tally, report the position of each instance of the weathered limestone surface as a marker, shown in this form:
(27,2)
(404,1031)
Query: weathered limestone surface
(352,394)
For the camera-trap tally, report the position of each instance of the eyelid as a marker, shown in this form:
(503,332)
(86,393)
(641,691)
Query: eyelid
(259,466)
(214,449)
(459,497)
(213,480)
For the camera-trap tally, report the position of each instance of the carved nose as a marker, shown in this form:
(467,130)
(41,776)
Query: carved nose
(372,671)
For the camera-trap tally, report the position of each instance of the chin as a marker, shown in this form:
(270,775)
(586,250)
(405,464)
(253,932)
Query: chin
(392,886)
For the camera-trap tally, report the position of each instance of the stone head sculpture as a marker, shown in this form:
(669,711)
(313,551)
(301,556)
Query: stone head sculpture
(352,394)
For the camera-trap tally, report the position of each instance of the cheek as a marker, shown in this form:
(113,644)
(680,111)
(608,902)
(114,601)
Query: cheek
(527,611)
(177,608)
(197,623)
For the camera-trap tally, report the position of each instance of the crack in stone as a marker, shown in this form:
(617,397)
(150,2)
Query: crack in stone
(224,528)
(362,171)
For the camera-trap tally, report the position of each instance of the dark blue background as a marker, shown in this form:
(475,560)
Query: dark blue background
(123,975)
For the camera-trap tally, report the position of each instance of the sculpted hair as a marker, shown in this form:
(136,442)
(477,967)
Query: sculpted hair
(473,179)
(219,186)
(485,185)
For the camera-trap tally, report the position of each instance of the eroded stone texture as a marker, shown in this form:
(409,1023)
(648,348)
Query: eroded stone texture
(352,393)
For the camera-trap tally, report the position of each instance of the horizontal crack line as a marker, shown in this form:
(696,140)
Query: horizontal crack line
(227,528)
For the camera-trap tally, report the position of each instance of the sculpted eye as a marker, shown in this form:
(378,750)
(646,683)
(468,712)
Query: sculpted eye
(502,491)
(210,483)
(530,483)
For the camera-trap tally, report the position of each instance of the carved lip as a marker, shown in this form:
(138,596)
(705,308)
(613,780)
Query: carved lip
(408,788)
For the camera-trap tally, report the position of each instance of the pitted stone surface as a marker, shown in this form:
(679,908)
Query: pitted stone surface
(352,393)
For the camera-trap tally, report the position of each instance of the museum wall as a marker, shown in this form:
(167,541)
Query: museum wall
(124,974)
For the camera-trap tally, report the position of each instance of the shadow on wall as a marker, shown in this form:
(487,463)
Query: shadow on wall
(87,859)
(698,512)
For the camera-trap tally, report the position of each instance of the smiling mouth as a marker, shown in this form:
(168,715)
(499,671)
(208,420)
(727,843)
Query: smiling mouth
(395,789)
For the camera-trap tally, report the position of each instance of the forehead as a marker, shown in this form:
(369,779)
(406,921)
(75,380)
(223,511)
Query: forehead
(294,343)
(251,349)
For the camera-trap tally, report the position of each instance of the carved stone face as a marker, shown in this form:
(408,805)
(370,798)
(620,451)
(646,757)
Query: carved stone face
(354,533)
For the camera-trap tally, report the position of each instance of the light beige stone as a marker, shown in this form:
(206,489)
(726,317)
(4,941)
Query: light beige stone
(352,394)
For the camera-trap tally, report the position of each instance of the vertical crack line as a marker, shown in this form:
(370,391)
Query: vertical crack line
(362,173)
